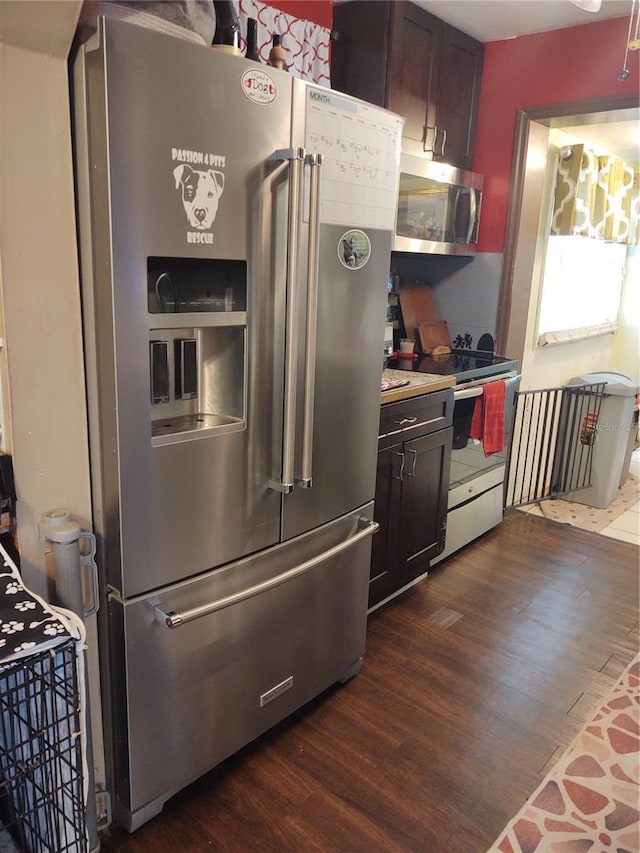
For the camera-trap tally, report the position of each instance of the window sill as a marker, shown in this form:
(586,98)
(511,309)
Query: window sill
(566,336)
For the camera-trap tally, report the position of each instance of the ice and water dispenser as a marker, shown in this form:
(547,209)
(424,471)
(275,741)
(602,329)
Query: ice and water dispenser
(197,347)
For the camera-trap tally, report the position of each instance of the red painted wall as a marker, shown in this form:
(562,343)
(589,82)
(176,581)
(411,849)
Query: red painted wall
(318,11)
(572,64)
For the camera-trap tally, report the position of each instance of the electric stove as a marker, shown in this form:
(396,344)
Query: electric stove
(466,365)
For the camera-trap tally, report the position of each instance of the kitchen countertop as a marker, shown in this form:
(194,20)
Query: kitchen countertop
(419,383)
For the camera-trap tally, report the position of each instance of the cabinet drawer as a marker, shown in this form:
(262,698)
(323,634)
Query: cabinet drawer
(407,419)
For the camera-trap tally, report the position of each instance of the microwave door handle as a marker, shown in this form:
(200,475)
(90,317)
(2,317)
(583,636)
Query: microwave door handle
(473,213)
(305,480)
(295,157)
(456,204)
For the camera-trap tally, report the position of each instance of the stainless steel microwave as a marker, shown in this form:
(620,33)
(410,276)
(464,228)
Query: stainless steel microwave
(438,208)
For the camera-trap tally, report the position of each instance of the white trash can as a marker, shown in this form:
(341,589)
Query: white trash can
(615,436)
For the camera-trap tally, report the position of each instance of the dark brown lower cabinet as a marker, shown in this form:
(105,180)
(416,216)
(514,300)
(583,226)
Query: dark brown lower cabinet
(414,454)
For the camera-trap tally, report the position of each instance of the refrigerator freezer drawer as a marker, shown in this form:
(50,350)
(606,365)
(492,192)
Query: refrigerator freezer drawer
(252,642)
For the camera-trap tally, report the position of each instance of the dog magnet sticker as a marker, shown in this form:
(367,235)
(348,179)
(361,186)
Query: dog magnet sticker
(258,86)
(200,189)
(354,249)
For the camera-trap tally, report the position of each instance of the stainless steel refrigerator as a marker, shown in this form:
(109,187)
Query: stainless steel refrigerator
(235,234)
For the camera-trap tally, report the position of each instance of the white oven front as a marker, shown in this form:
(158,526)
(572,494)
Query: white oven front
(475,501)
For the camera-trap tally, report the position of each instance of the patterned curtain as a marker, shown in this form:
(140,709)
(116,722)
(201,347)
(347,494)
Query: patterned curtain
(596,196)
(306,44)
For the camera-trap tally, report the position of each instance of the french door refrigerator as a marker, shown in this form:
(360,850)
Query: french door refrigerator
(235,233)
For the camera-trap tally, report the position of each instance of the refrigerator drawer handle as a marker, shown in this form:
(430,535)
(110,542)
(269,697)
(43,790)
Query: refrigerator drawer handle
(315,163)
(295,157)
(171,619)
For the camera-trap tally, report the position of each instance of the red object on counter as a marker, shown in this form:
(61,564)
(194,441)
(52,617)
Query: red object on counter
(406,355)
(487,422)
(390,384)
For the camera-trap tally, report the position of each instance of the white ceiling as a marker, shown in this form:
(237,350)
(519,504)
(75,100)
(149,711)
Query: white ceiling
(621,138)
(493,20)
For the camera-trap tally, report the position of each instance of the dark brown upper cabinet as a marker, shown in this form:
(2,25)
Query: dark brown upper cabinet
(399,56)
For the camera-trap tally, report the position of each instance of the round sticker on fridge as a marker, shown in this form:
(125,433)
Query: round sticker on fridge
(258,86)
(354,249)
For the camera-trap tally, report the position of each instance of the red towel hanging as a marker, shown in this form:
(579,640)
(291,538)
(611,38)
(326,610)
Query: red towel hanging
(487,423)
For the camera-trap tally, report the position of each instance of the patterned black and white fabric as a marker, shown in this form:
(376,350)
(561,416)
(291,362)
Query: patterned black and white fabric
(43,731)
(27,623)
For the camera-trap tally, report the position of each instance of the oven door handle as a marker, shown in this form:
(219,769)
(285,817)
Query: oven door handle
(467,393)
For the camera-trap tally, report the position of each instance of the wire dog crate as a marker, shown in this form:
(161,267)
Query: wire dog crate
(41,781)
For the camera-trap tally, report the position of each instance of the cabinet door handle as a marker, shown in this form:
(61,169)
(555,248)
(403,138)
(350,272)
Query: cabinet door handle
(434,128)
(401,472)
(406,421)
(444,142)
(436,131)
(414,453)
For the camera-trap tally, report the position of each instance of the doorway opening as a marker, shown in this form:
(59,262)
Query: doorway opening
(613,122)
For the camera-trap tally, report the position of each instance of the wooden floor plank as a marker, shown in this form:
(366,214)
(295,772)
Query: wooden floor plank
(474,683)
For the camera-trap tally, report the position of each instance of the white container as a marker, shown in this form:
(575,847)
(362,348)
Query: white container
(615,430)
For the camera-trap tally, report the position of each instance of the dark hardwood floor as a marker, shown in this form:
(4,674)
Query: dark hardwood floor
(474,683)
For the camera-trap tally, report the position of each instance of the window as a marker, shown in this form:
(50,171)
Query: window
(581,287)
(593,222)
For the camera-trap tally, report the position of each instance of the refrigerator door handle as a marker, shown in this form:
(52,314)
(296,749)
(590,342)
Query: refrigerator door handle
(315,164)
(295,157)
(171,619)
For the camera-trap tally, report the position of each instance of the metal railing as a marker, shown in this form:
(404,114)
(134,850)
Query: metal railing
(554,434)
